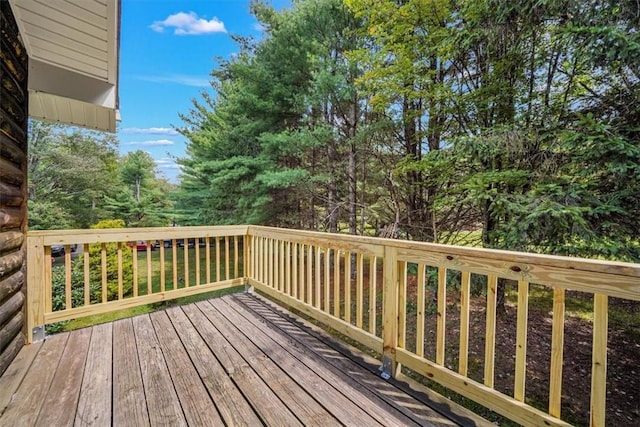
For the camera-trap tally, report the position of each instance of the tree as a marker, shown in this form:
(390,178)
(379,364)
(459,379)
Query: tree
(144,200)
(70,170)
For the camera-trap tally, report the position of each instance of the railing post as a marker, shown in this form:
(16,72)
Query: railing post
(390,368)
(247,261)
(35,306)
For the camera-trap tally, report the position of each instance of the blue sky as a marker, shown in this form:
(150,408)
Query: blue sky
(167,50)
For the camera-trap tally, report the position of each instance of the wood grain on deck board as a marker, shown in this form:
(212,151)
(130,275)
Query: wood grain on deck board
(364,399)
(162,400)
(198,408)
(24,407)
(94,406)
(129,402)
(268,406)
(233,407)
(405,403)
(278,377)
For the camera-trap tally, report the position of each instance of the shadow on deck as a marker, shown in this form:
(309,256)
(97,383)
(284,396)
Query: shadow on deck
(235,360)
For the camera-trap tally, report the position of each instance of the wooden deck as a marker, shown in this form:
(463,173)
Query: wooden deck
(235,360)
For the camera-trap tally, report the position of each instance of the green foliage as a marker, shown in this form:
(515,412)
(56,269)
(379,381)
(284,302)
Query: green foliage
(70,171)
(95,265)
(144,200)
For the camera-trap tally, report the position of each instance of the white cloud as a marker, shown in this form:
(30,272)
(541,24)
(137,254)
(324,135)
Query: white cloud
(180,79)
(189,24)
(167,163)
(259,27)
(153,143)
(150,131)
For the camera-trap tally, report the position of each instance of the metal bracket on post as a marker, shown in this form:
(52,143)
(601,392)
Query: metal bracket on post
(386,369)
(38,333)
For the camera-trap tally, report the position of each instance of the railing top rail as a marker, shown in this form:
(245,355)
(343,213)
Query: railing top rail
(627,269)
(52,237)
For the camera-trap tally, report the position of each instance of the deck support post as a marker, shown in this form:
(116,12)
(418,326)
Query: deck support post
(247,262)
(390,368)
(36,298)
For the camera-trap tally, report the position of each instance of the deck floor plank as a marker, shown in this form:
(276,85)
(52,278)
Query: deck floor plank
(230,402)
(129,402)
(15,373)
(405,403)
(270,408)
(328,393)
(162,399)
(278,377)
(198,407)
(24,407)
(94,406)
(61,403)
(368,401)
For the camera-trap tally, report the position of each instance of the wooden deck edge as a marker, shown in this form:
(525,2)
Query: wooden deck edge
(434,400)
(15,373)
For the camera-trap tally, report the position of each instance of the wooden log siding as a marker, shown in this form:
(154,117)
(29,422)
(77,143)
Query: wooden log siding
(13,155)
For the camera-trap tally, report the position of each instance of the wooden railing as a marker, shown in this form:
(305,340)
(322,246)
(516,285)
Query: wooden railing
(103,270)
(404,300)
(359,287)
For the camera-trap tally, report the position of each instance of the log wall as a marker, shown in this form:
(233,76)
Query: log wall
(13,183)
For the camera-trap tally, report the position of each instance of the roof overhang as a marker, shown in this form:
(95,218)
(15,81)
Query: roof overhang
(73,48)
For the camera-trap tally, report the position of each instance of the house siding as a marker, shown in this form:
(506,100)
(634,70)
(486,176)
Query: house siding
(13,185)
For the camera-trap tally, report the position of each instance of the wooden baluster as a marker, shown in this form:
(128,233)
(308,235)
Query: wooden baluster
(236,257)
(327,280)
(557,350)
(490,333)
(309,282)
(149,270)
(120,272)
(207,257)
(442,315)
(134,265)
(227,259)
(294,272)
(216,248)
(599,360)
(359,290)
(197,260)
(87,274)
(287,279)
(465,298)
(521,341)
(301,289)
(186,262)
(318,285)
(281,266)
(103,269)
(420,289)
(336,283)
(402,304)
(67,277)
(174,262)
(373,294)
(347,286)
